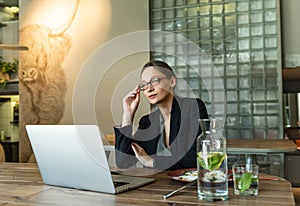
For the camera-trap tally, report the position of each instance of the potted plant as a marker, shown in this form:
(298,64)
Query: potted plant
(7,70)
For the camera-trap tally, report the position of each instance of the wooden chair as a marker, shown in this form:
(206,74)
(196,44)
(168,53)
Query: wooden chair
(2,154)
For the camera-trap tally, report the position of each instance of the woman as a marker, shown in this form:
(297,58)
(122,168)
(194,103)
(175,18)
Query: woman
(165,138)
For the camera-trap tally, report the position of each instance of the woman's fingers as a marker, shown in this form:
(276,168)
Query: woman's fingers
(133,95)
(141,155)
(137,149)
(130,105)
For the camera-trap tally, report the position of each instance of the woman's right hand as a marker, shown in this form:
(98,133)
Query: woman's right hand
(130,104)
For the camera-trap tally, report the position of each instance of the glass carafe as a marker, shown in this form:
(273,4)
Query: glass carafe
(212,161)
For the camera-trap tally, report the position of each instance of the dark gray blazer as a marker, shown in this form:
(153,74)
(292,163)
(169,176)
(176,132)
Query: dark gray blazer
(184,130)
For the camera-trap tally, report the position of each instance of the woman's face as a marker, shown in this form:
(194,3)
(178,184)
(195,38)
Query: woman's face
(163,86)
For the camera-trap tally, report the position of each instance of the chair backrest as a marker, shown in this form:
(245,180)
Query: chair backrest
(2,154)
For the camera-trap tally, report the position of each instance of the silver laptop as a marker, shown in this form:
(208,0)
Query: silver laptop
(73,156)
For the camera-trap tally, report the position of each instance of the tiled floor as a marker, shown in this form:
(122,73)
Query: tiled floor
(296,191)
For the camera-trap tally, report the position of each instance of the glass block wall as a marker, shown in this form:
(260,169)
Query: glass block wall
(241,38)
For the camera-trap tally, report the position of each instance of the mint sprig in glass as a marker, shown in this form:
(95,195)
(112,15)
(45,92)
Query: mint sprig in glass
(245,179)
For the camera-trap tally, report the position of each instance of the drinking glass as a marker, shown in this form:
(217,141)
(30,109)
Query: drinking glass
(245,179)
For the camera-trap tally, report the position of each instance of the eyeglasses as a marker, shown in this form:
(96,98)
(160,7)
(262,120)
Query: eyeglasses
(153,82)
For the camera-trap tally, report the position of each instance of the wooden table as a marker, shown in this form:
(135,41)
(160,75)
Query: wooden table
(21,184)
(251,147)
(254,146)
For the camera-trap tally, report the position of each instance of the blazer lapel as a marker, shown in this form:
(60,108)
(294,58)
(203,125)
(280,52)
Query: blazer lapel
(175,119)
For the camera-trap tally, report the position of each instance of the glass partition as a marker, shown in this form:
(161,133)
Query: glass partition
(242,38)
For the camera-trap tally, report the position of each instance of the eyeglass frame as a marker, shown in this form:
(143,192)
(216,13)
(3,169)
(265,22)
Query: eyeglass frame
(153,79)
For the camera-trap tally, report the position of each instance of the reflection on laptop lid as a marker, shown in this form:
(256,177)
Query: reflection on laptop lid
(73,156)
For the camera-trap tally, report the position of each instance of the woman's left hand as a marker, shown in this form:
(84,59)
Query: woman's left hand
(141,155)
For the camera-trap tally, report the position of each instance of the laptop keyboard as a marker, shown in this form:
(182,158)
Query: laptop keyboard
(118,184)
(115,176)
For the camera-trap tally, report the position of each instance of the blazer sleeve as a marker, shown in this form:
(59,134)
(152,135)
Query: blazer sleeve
(146,136)
(123,153)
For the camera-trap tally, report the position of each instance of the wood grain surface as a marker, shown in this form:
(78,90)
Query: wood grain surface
(21,184)
(260,146)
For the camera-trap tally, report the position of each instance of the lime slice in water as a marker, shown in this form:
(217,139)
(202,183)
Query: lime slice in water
(211,161)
